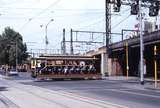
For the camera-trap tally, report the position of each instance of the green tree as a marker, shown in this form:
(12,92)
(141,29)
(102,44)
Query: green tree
(11,43)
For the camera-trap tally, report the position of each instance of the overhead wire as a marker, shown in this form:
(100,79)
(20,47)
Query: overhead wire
(50,6)
(125,11)
(57,9)
(116,25)
(94,23)
(30,19)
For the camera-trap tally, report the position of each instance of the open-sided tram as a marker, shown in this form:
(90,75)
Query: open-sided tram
(65,67)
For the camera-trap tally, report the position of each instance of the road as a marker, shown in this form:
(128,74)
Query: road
(120,92)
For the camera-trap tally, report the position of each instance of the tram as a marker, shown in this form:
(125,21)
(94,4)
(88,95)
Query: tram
(65,67)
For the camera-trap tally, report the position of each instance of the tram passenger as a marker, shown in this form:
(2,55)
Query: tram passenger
(49,69)
(83,69)
(40,67)
(72,70)
(77,70)
(92,69)
(65,70)
(59,70)
(54,70)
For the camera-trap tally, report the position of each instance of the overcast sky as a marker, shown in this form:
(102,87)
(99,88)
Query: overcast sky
(26,16)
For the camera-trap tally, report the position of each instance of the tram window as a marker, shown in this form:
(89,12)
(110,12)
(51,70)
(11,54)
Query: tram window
(59,62)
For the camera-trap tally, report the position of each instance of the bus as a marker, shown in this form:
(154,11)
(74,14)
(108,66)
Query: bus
(65,67)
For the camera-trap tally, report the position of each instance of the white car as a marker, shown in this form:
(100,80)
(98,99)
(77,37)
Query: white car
(13,72)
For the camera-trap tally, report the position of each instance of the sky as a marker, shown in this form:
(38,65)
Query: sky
(30,17)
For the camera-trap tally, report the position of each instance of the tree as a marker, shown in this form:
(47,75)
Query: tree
(11,43)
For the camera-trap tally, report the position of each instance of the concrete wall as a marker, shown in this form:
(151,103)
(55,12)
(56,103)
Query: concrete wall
(103,64)
(116,68)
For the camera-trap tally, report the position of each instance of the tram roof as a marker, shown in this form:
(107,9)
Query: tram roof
(65,57)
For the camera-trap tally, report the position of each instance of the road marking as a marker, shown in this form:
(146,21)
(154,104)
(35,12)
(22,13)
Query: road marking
(73,95)
(89,101)
(129,92)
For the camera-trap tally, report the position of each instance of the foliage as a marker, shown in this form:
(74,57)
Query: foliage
(12,46)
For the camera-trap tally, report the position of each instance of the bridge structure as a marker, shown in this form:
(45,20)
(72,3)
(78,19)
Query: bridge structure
(125,55)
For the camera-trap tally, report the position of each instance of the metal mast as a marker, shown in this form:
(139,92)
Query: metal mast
(141,44)
(63,43)
(108,26)
(71,44)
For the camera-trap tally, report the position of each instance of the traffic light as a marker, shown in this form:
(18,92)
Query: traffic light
(135,7)
(117,5)
(108,1)
(154,8)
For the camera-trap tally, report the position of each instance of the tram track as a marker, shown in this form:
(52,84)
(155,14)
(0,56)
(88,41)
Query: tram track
(89,100)
(85,99)
(70,96)
(42,97)
(7,103)
(63,105)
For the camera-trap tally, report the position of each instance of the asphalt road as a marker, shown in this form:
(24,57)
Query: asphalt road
(119,92)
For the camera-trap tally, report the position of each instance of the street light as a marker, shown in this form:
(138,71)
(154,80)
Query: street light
(46,38)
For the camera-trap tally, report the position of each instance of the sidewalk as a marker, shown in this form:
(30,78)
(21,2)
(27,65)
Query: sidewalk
(27,96)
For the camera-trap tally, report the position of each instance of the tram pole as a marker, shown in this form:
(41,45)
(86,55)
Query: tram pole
(71,44)
(16,54)
(155,67)
(141,44)
(127,67)
(108,30)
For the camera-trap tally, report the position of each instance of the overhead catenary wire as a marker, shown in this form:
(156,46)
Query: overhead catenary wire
(116,25)
(93,23)
(30,19)
(57,9)
(50,6)
(102,19)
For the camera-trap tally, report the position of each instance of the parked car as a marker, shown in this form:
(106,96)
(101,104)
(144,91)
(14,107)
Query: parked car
(13,72)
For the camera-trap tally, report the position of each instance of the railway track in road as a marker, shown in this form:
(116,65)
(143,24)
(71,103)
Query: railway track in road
(6,103)
(61,99)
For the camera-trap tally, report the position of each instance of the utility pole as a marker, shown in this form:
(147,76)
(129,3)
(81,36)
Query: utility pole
(16,54)
(63,43)
(108,28)
(71,47)
(155,67)
(141,44)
